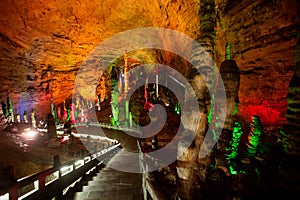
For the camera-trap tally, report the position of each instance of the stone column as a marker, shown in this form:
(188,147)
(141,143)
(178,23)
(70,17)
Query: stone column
(231,78)
(51,128)
(188,164)
(192,165)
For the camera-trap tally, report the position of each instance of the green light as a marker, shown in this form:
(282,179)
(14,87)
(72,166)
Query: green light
(232,170)
(177,108)
(55,114)
(255,136)
(69,115)
(127,109)
(114,107)
(235,141)
(214,135)
(228,51)
(236,110)
(210,113)
(130,120)
(233,150)
(112,120)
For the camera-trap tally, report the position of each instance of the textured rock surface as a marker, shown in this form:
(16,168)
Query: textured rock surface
(37,37)
(288,174)
(263,37)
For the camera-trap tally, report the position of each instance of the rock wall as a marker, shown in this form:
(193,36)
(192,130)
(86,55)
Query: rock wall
(288,178)
(263,36)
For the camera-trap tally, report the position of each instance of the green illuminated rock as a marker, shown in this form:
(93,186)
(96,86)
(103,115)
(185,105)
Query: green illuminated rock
(255,136)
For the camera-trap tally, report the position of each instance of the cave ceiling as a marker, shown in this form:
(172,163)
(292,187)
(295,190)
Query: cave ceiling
(40,36)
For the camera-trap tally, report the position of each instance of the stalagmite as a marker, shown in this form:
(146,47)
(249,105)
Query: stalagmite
(236,136)
(234,149)
(254,137)
(3,120)
(98,102)
(231,78)
(10,110)
(33,121)
(18,117)
(25,117)
(130,120)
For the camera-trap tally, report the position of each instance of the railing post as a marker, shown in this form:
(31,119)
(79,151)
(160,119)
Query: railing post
(10,176)
(13,193)
(42,181)
(56,161)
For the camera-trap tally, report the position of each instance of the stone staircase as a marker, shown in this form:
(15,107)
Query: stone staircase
(107,183)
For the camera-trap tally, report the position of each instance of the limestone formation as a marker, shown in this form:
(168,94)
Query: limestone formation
(288,177)
(231,78)
(254,137)
(3,120)
(45,43)
(234,146)
(190,154)
(37,36)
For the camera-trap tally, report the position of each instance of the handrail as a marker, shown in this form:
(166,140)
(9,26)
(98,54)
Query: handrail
(68,173)
(150,189)
(109,126)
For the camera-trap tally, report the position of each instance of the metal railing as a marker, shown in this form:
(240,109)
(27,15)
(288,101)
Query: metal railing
(150,189)
(109,126)
(51,183)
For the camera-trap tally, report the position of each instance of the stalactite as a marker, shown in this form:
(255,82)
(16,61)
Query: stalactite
(115,107)
(72,113)
(126,73)
(59,112)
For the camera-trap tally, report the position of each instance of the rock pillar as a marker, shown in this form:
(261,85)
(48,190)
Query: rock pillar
(231,78)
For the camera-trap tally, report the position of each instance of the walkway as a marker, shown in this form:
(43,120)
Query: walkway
(111,184)
(109,126)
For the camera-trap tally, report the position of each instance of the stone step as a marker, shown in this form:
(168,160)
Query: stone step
(99,195)
(115,186)
(110,183)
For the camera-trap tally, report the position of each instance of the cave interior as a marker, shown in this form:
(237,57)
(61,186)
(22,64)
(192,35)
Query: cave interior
(226,72)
